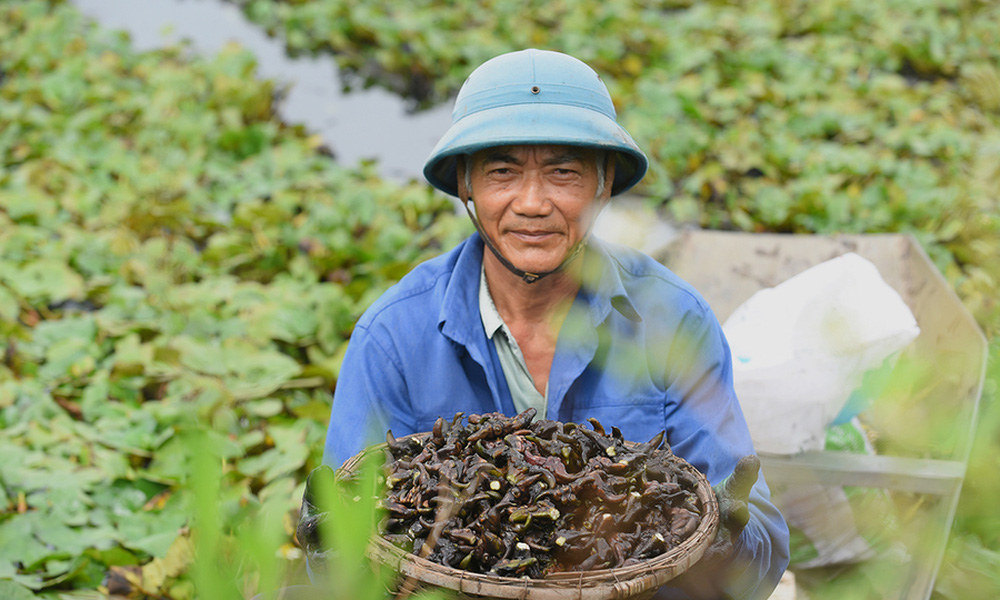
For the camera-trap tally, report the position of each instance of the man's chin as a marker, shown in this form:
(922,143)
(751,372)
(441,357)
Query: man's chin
(537,266)
(535,259)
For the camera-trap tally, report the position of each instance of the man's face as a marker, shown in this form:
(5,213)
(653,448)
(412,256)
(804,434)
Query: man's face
(535,202)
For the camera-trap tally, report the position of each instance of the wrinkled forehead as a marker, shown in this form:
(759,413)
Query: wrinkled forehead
(543,153)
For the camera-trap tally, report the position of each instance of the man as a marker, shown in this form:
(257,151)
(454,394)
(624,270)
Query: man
(531,311)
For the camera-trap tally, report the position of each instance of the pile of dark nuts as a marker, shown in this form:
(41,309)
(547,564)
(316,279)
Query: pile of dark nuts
(520,498)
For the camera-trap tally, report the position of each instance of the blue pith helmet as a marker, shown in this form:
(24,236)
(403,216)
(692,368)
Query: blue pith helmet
(534,97)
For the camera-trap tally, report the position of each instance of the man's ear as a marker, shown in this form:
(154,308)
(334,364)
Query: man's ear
(609,177)
(463,194)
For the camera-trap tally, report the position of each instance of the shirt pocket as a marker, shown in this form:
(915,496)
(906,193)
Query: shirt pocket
(638,420)
(446,408)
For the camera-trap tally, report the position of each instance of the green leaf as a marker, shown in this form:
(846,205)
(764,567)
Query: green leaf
(773,204)
(9,308)
(49,333)
(69,358)
(151,532)
(114,556)
(255,374)
(202,357)
(18,541)
(268,407)
(72,540)
(169,463)
(275,462)
(7,569)
(47,280)
(10,590)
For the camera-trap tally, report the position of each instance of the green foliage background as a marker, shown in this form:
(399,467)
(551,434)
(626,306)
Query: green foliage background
(180,271)
(175,265)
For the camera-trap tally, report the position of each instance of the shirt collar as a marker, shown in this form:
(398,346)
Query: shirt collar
(603,286)
(492,321)
(459,317)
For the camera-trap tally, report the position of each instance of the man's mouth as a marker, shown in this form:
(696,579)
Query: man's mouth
(532,235)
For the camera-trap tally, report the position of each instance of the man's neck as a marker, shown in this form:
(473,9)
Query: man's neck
(533,312)
(542,302)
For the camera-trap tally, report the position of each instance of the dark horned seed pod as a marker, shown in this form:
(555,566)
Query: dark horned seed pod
(527,498)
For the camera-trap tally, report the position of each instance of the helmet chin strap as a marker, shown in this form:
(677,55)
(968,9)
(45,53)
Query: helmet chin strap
(527,276)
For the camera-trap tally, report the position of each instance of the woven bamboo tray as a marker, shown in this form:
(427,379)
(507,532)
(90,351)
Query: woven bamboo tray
(635,582)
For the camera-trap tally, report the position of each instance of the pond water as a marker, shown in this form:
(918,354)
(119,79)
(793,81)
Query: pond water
(360,125)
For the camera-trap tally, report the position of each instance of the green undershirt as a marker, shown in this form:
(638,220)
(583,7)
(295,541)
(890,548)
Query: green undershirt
(515,370)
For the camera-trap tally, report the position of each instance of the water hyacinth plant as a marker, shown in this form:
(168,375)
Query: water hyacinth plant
(179,274)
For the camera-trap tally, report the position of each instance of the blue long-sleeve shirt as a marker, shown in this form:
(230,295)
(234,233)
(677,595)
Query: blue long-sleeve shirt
(640,349)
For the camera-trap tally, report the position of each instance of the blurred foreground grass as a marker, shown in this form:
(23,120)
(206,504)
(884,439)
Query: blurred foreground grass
(179,274)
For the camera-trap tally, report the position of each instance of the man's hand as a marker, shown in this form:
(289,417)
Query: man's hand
(710,576)
(311,519)
(733,494)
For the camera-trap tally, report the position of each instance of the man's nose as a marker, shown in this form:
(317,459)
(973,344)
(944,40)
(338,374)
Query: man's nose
(532,198)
